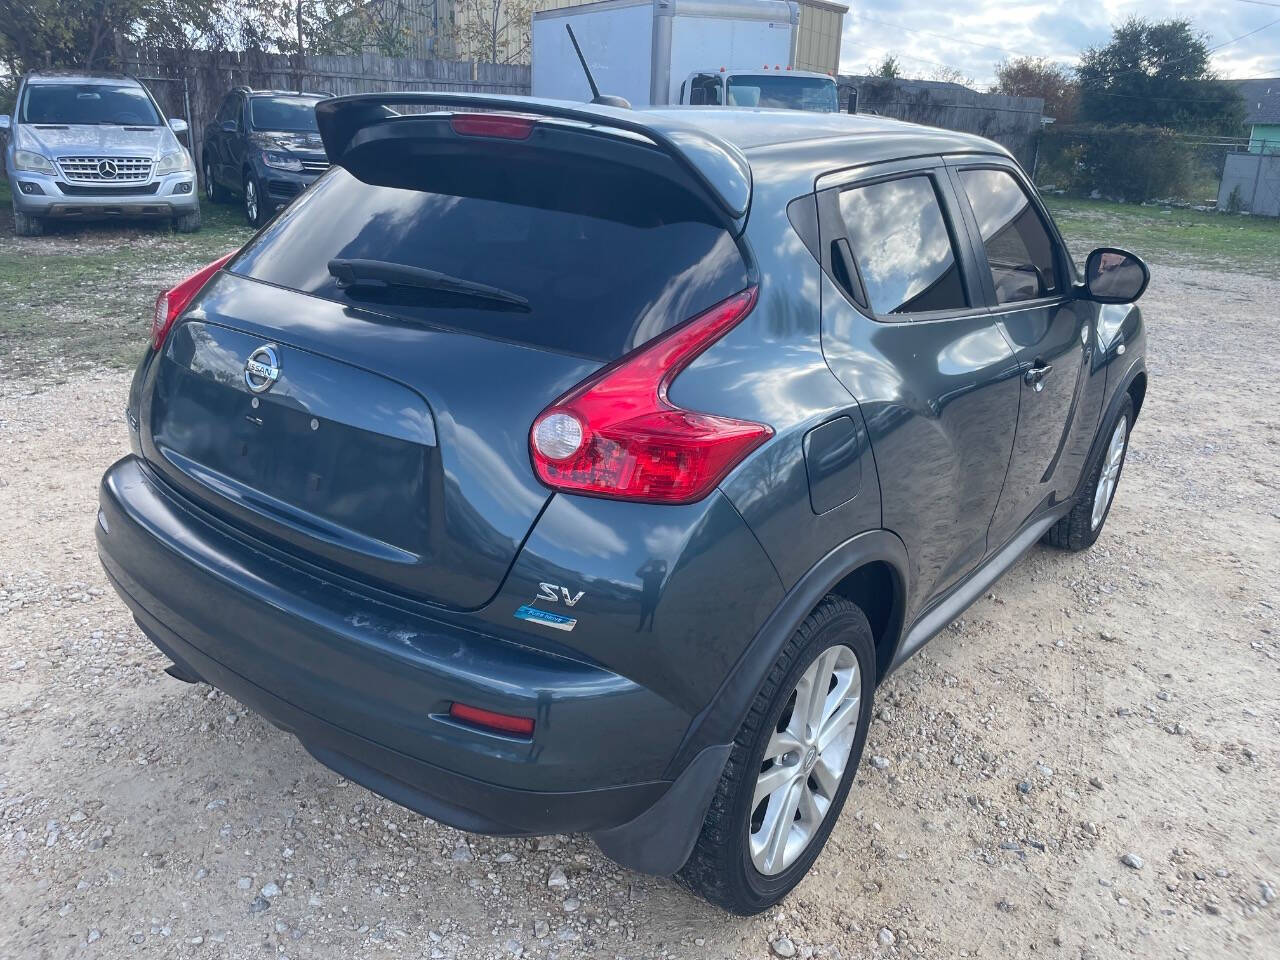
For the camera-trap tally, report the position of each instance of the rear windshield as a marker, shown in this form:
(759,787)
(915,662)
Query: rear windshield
(283,114)
(123,104)
(606,256)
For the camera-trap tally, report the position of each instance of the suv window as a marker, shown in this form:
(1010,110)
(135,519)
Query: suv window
(1019,249)
(124,104)
(283,114)
(607,255)
(903,247)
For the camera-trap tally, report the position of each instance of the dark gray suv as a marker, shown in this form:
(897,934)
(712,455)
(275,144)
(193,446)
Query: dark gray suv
(556,468)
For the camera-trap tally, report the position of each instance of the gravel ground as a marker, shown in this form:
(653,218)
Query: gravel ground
(1084,766)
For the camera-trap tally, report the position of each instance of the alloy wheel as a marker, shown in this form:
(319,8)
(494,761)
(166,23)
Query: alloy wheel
(251,200)
(208,181)
(1110,474)
(805,760)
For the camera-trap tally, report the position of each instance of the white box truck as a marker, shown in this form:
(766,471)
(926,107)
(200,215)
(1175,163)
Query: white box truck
(699,52)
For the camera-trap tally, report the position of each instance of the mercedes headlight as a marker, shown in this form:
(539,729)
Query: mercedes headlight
(33,162)
(175,162)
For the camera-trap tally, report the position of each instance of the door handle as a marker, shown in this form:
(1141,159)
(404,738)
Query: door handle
(1035,376)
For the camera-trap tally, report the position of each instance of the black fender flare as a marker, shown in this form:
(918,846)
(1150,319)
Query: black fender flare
(1135,369)
(722,718)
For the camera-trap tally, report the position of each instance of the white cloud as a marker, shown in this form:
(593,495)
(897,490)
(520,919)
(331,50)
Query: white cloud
(974,35)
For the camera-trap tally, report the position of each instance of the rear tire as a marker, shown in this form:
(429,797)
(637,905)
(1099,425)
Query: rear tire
(734,863)
(1079,529)
(214,192)
(187,222)
(25,225)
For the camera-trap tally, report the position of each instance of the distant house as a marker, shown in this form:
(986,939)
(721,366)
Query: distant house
(1262,113)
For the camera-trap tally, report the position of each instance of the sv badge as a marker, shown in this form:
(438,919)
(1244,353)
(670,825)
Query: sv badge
(553,593)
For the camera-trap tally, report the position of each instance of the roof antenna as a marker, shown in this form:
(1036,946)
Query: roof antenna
(603,99)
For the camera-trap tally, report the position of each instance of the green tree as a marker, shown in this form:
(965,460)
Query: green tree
(888,68)
(1157,74)
(1038,77)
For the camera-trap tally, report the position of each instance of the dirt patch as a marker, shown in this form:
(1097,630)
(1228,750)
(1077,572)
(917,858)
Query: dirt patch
(1118,705)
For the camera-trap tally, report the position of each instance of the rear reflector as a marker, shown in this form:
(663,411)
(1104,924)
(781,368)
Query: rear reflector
(617,435)
(504,126)
(501,722)
(173,301)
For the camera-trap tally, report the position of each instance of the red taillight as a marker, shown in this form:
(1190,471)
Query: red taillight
(616,434)
(501,722)
(174,300)
(501,125)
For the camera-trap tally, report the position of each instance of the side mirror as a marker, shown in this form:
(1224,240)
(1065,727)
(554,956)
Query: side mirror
(4,121)
(229,126)
(1112,275)
(178,125)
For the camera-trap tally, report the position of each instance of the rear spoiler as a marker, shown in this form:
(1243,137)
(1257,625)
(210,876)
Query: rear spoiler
(719,166)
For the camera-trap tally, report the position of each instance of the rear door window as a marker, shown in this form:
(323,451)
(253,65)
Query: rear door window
(1020,251)
(903,246)
(605,257)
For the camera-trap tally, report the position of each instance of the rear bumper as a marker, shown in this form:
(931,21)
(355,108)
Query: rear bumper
(366,687)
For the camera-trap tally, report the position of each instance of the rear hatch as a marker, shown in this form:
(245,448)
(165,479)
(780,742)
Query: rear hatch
(407,320)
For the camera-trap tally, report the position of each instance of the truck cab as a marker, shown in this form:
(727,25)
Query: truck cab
(780,88)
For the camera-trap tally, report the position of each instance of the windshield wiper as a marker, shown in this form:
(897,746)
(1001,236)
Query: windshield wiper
(381,275)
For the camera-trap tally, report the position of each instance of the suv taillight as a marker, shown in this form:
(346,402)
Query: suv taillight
(174,300)
(616,434)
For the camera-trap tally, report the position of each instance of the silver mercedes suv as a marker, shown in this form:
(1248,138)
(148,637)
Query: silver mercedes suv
(91,146)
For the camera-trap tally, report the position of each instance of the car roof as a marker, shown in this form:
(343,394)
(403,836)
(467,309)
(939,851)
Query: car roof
(64,76)
(751,129)
(795,147)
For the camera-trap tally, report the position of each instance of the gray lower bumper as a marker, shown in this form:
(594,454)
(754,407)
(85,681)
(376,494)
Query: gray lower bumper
(52,202)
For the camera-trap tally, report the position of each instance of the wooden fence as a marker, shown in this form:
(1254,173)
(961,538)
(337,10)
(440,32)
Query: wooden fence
(1013,122)
(191,84)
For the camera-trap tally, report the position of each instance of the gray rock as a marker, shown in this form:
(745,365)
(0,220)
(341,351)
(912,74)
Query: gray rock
(880,763)
(886,937)
(259,904)
(541,929)
(462,853)
(272,889)
(244,883)
(1132,861)
(557,878)
(571,904)
(1267,893)
(783,947)
(94,935)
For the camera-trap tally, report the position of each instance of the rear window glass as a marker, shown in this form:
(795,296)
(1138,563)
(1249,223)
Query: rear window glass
(903,247)
(606,256)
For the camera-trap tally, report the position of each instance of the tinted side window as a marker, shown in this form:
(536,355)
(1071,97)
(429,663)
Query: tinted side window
(903,247)
(1019,248)
(227,110)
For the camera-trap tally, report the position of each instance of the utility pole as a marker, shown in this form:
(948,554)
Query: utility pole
(298,20)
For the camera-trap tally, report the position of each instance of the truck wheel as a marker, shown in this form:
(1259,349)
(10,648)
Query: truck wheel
(187,222)
(25,225)
(791,766)
(1080,528)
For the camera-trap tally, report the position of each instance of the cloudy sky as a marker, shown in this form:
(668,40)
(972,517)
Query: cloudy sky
(973,35)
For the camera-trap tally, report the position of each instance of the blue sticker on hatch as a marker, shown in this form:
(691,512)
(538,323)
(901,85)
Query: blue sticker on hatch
(553,620)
